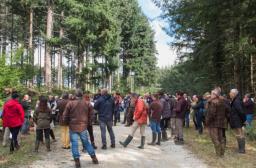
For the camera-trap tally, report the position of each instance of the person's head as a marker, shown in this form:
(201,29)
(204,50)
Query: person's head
(247,97)
(155,96)
(104,91)
(179,94)
(51,97)
(70,96)
(233,93)
(15,95)
(79,93)
(207,95)
(65,96)
(134,97)
(42,103)
(195,98)
(87,97)
(185,95)
(215,93)
(26,97)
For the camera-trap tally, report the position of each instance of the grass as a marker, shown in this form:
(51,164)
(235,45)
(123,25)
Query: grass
(202,146)
(21,157)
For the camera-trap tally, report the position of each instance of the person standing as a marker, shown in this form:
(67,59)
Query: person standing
(216,120)
(127,101)
(187,113)
(199,113)
(42,118)
(53,106)
(155,112)
(76,115)
(27,108)
(248,107)
(105,106)
(13,118)
(140,121)
(237,119)
(90,119)
(166,114)
(64,128)
(180,109)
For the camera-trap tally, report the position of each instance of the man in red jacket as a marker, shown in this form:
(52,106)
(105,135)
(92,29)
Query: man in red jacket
(13,118)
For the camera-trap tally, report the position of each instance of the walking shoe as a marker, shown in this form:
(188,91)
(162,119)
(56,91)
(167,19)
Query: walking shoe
(104,147)
(113,146)
(77,163)
(94,146)
(159,139)
(94,159)
(127,141)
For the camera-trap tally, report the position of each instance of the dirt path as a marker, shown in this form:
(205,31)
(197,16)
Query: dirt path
(166,156)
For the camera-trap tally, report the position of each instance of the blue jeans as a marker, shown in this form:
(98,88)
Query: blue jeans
(103,125)
(155,127)
(25,126)
(249,119)
(187,119)
(74,143)
(199,121)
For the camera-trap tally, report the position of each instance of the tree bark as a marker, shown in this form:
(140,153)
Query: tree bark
(60,73)
(30,43)
(47,63)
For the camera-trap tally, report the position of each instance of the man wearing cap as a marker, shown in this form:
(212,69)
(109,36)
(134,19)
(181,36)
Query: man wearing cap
(216,121)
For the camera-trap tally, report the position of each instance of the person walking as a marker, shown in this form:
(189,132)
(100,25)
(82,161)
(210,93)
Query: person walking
(105,106)
(13,118)
(155,112)
(180,109)
(76,116)
(61,105)
(248,107)
(140,121)
(216,120)
(42,118)
(237,119)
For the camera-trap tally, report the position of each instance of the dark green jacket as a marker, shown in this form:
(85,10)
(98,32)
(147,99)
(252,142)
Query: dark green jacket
(42,118)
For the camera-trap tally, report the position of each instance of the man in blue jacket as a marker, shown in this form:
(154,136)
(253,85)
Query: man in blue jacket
(105,106)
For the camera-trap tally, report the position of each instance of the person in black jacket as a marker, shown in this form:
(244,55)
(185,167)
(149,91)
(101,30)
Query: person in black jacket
(105,106)
(237,119)
(248,107)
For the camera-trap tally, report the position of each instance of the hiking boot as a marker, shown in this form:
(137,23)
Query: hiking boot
(113,146)
(241,145)
(104,147)
(179,141)
(77,163)
(153,139)
(143,139)
(94,159)
(127,141)
(159,139)
(94,146)
(164,136)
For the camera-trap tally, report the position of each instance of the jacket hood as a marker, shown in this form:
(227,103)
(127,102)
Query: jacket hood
(11,103)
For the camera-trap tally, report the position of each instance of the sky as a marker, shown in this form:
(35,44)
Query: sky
(166,56)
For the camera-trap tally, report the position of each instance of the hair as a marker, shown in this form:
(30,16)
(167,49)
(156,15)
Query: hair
(248,95)
(235,91)
(15,95)
(179,93)
(216,92)
(156,95)
(65,96)
(104,91)
(87,96)
(42,106)
(134,95)
(79,93)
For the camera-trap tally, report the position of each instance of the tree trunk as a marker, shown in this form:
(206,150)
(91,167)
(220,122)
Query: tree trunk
(47,63)
(30,43)
(60,73)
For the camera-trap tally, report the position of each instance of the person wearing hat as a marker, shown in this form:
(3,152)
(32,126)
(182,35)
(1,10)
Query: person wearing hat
(13,118)
(216,121)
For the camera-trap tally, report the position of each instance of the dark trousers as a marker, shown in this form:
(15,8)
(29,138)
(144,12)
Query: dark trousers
(14,142)
(125,116)
(187,119)
(42,132)
(199,121)
(218,140)
(164,123)
(103,125)
(90,130)
(52,134)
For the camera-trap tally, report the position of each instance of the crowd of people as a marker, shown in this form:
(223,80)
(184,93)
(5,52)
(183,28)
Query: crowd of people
(76,114)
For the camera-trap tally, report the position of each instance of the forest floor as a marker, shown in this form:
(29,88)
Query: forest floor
(165,156)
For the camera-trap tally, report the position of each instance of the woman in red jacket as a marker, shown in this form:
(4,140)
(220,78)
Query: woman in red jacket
(140,120)
(13,118)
